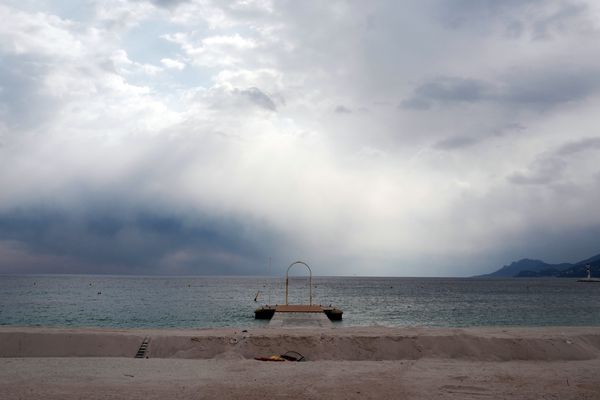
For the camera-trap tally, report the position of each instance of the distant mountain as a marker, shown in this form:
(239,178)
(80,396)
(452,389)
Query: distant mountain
(579,269)
(544,273)
(528,268)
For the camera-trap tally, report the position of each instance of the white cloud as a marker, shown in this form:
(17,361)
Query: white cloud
(214,51)
(121,14)
(38,34)
(172,64)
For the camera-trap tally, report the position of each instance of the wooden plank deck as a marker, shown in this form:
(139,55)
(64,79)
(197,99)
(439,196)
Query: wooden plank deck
(299,316)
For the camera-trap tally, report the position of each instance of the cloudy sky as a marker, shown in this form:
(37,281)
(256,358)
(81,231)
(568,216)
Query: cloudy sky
(413,138)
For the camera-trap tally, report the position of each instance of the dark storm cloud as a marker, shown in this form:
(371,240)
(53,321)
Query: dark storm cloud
(537,90)
(541,172)
(461,13)
(549,167)
(415,103)
(568,244)
(536,18)
(258,97)
(447,89)
(463,141)
(549,86)
(103,241)
(455,142)
(510,128)
(579,145)
(167,3)
(342,110)
(559,20)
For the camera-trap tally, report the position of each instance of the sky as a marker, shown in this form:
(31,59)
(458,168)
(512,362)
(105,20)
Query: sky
(379,138)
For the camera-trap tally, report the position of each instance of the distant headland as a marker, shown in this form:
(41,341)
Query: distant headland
(528,268)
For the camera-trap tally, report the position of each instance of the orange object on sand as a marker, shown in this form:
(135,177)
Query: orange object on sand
(271,358)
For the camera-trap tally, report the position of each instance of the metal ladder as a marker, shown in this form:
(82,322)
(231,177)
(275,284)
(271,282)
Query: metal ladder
(141,353)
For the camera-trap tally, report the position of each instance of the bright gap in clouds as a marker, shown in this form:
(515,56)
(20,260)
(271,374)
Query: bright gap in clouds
(203,137)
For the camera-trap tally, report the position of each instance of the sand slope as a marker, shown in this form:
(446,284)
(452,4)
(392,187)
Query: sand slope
(349,363)
(352,344)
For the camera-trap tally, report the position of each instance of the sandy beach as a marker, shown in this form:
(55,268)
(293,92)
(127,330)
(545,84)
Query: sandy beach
(342,363)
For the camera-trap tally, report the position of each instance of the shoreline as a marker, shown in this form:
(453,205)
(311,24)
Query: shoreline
(345,343)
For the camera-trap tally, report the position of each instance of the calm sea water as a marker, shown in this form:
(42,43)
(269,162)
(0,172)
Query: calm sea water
(118,301)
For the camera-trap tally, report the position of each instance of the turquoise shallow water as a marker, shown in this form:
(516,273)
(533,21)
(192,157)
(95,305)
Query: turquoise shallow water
(129,301)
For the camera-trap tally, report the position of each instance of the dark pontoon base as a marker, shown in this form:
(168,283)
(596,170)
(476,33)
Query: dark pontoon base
(267,312)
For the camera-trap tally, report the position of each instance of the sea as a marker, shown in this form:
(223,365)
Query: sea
(202,302)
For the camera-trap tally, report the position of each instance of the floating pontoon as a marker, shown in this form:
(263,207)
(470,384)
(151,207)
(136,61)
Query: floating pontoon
(268,311)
